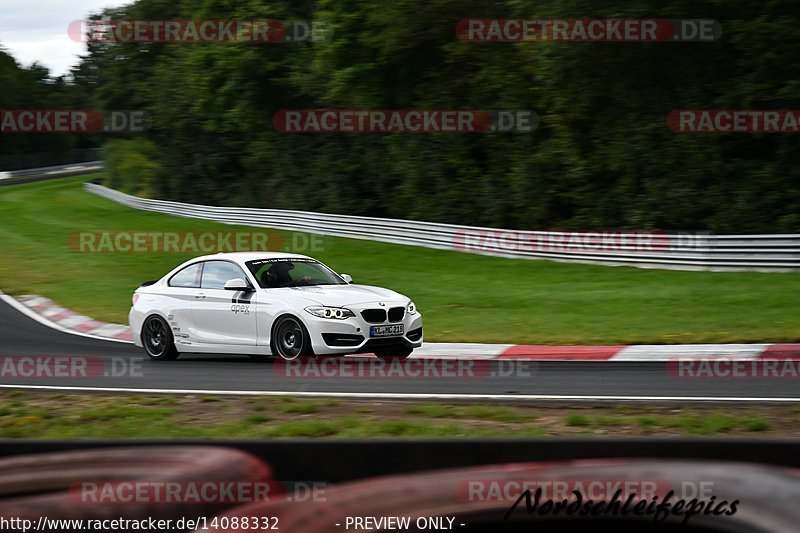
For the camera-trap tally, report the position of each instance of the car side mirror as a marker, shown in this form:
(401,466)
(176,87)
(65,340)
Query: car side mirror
(237,284)
(347,278)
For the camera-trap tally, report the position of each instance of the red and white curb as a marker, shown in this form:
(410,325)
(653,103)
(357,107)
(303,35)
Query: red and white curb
(51,314)
(641,352)
(48,313)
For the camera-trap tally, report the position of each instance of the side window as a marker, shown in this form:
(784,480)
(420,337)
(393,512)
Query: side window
(216,273)
(188,277)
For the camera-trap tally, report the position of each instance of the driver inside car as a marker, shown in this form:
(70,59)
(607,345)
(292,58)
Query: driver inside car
(278,275)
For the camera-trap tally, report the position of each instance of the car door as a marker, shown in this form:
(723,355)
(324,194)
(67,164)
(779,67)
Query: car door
(179,298)
(221,316)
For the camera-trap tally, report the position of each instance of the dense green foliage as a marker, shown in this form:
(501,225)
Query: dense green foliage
(33,88)
(131,165)
(601,158)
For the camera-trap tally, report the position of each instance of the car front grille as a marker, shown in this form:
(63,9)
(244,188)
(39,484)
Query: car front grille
(374,316)
(396,314)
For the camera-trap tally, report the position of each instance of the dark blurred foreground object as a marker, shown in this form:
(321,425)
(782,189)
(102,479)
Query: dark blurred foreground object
(48,484)
(767,497)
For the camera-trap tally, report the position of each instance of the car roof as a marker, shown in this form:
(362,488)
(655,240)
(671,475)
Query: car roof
(251,256)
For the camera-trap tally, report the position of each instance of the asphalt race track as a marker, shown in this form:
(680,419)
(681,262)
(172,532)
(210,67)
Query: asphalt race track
(494,380)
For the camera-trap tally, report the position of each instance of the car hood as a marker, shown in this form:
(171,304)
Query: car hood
(344,295)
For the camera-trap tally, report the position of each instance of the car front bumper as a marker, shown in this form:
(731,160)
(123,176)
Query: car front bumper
(352,335)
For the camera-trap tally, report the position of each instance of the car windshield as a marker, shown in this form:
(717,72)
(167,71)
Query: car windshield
(292,272)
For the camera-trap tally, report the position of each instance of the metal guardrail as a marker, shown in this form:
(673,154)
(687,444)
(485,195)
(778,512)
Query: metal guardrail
(679,251)
(14,177)
(38,160)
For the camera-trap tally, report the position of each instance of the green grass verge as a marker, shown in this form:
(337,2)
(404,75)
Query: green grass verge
(464,297)
(43,415)
(710,422)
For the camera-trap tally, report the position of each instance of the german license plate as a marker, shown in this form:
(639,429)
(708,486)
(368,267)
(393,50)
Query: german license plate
(386,331)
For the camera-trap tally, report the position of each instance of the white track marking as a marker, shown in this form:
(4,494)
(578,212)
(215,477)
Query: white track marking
(410,396)
(669,352)
(452,350)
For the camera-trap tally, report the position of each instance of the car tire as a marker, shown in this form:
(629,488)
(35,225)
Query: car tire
(290,339)
(399,354)
(157,339)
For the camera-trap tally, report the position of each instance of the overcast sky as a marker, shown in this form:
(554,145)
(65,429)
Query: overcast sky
(36,30)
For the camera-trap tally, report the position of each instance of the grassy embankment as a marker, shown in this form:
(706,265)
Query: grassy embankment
(45,415)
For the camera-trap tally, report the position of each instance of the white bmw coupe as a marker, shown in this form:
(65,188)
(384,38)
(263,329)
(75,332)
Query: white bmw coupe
(279,304)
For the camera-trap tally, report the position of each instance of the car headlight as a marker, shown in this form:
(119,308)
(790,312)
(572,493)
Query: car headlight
(336,313)
(412,309)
